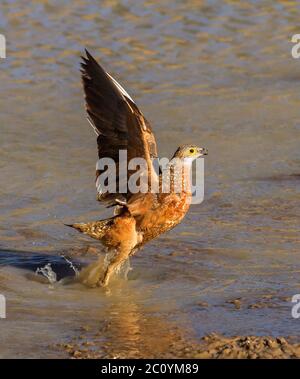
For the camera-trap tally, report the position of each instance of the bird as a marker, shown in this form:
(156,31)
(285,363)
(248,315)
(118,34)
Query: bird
(138,217)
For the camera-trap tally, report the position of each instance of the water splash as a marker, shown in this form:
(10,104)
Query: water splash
(47,272)
(92,274)
(76,271)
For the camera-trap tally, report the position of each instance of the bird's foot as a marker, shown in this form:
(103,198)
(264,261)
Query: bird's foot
(103,282)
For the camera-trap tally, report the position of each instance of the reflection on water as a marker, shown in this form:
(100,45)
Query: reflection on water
(120,322)
(220,73)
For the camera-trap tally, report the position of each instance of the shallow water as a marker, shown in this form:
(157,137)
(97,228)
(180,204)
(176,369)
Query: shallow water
(219,73)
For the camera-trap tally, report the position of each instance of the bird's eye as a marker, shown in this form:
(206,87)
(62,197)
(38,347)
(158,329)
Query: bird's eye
(192,151)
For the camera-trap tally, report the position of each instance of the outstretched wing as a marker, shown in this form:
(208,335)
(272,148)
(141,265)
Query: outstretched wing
(118,122)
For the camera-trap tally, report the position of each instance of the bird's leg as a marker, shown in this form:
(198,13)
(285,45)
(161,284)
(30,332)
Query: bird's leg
(127,268)
(120,256)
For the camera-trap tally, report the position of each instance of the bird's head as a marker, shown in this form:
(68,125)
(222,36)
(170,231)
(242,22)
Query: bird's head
(190,152)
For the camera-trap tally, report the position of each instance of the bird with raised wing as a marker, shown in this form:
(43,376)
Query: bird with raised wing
(141,216)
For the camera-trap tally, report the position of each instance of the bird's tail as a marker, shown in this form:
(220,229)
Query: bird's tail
(95,229)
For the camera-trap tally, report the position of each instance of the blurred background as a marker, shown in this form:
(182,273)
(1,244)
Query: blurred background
(216,73)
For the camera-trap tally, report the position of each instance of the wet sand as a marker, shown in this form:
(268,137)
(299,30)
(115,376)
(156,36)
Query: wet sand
(112,339)
(173,345)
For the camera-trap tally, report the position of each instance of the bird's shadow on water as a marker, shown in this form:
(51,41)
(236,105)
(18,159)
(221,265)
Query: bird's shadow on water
(32,261)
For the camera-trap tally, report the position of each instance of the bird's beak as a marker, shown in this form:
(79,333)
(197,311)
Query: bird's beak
(202,151)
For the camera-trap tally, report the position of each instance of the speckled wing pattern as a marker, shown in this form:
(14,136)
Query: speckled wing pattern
(118,123)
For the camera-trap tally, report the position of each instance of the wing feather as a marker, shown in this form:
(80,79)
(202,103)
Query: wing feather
(117,121)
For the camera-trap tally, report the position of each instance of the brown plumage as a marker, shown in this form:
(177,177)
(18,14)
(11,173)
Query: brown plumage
(120,125)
